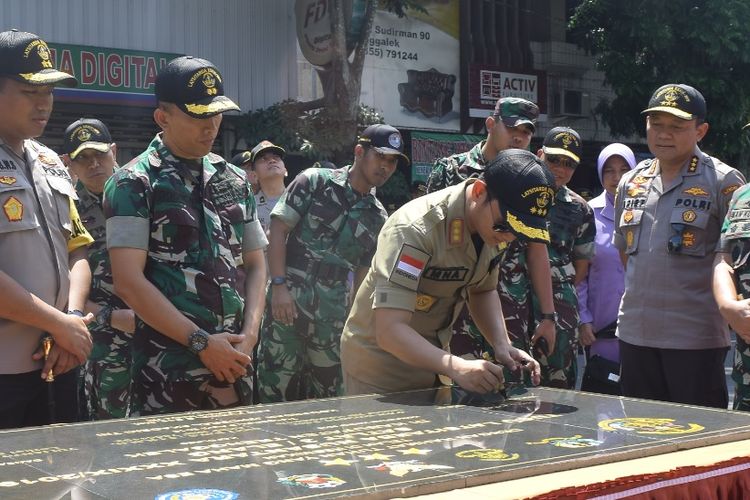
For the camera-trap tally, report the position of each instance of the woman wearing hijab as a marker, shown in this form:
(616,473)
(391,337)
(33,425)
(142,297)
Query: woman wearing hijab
(600,293)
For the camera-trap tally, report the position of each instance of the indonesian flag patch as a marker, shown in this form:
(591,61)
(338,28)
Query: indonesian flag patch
(409,266)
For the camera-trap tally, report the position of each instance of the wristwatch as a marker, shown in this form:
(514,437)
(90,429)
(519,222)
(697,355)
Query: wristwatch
(197,341)
(104,316)
(76,312)
(550,316)
(278,280)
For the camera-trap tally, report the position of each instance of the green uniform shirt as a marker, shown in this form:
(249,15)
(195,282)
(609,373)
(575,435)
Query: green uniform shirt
(195,220)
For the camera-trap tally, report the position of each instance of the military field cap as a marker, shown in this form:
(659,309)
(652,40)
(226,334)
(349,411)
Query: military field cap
(264,146)
(25,57)
(86,133)
(678,99)
(195,86)
(384,139)
(523,186)
(241,158)
(563,141)
(515,111)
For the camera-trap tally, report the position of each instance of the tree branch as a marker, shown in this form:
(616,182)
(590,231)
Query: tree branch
(360,51)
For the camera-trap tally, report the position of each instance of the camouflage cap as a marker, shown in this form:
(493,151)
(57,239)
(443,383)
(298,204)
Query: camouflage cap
(678,99)
(25,57)
(263,146)
(563,141)
(523,186)
(515,111)
(195,86)
(86,133)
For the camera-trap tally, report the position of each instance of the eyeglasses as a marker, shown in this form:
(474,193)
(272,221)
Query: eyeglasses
(674,244)
(502,227)
(561,160)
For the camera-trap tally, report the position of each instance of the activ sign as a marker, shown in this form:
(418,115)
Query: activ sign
(108,75)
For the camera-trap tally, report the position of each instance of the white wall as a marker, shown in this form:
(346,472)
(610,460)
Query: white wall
(252,42)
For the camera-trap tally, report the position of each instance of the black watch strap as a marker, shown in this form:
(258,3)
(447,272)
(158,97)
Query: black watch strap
(550,316)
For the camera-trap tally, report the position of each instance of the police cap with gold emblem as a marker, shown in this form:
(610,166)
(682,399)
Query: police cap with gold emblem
(86,133)
(195,86)
(25,57)
(678,99)
(523,186)
(563,141)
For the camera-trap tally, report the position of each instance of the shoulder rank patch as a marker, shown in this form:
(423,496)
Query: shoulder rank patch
(46,159)
(7,180)
(456,232)
(13,209)
(696,191)
(693,165)
(730,189)
(424,303)
(409,266)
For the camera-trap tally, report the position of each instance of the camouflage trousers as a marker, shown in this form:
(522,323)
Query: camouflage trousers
(300,361)
(168,378)
(107,375)
(560,368)
(469,343)
(741,375)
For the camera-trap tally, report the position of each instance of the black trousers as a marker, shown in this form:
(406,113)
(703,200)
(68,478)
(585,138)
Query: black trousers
(25,399)
(690,376)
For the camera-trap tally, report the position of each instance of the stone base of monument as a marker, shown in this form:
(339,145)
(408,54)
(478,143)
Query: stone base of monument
(377,446)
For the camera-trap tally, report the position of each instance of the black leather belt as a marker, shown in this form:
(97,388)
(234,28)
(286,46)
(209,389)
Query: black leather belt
(321,270)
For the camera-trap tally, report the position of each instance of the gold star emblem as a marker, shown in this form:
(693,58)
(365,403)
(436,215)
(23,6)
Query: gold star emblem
(376,456)
(337,461)
(415,451)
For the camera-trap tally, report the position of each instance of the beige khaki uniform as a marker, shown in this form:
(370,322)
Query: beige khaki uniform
(425,263)
(39,226)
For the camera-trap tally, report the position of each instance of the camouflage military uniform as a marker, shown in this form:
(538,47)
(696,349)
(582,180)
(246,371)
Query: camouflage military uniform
(572,234)
(735,241)
(106,386)
(197,214)
(334,232)
(466,341)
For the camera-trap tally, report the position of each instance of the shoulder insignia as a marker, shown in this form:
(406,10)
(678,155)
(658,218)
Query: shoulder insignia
(456,232)
(693,165)
(154,159)
(409,266)
(730,189)
(47,160)
(696,191)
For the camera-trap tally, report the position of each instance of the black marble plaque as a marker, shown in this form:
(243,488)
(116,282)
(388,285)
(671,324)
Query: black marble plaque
(377,446)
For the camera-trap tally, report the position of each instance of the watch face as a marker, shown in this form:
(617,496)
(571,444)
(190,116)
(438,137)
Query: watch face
(198,341)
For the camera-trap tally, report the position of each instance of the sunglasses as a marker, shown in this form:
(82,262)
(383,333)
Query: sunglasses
(674,244)
(502,227)
(561,160)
